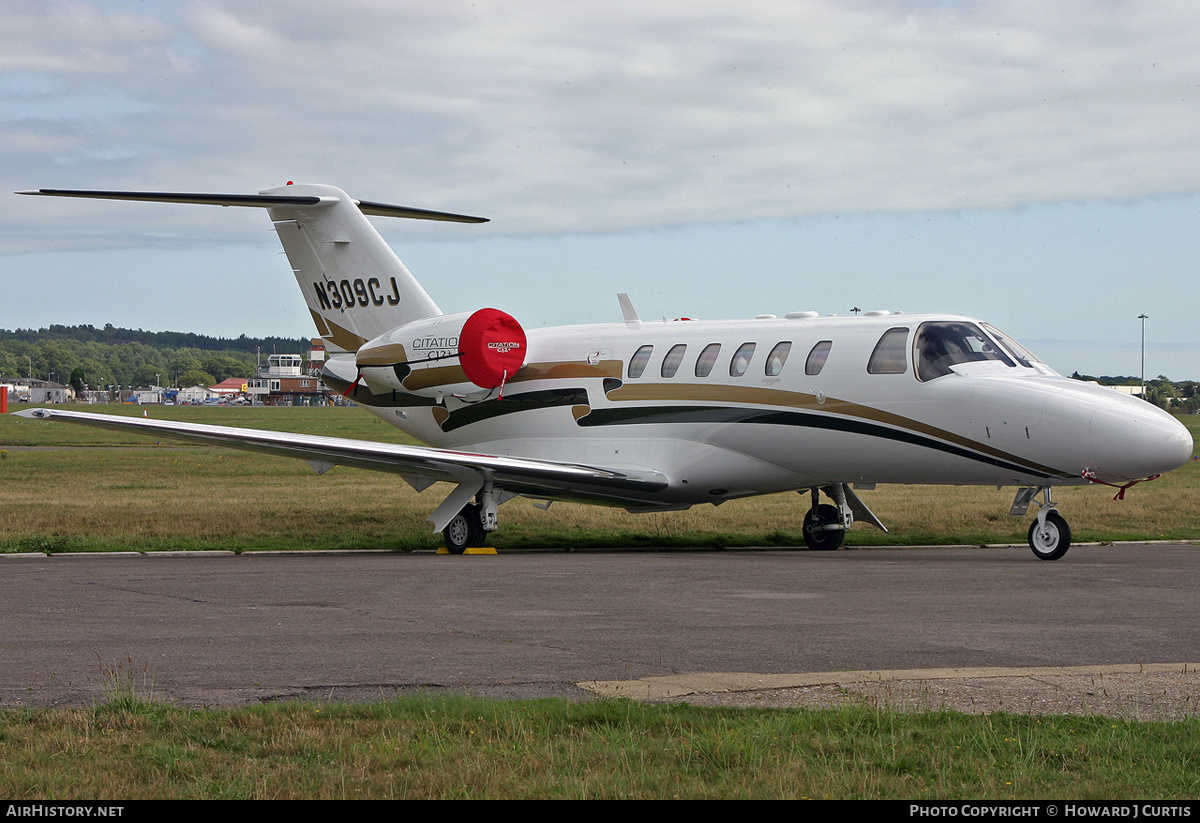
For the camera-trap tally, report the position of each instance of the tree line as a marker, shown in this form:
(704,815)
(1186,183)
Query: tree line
(1179,396)
(85,357)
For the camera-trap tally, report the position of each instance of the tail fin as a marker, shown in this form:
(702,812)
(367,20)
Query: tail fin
(355,285)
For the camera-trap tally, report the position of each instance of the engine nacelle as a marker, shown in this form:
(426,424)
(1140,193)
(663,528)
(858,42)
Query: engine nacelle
(449,354)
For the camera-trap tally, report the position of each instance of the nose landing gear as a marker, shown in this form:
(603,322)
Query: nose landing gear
(1049,534)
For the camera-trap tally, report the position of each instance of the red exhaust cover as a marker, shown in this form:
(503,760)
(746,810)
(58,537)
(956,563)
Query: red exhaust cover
(491,346)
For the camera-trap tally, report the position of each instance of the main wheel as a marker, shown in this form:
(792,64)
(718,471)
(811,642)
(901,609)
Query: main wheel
(818,538)
(465,530)
(1051,542)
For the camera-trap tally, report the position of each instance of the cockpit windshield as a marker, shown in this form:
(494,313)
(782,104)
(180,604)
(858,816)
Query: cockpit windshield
(1021,354)
(943,344)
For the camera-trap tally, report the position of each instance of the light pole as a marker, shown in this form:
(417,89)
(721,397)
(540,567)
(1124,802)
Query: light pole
(1143,318)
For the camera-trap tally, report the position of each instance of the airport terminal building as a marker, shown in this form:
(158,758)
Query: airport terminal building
(285,383)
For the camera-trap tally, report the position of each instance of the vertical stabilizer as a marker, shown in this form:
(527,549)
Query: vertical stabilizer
(355,285)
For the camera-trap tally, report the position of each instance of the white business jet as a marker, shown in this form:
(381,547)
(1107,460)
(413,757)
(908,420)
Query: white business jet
(655,416)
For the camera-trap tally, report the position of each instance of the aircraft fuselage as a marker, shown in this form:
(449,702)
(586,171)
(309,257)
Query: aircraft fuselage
(723,411)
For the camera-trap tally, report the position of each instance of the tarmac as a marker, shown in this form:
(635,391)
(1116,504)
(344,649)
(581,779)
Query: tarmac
(730,628)
(1152,692)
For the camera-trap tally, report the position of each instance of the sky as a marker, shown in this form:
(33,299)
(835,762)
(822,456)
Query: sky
(1033,164)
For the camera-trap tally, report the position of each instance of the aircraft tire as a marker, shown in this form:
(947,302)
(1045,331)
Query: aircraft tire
(465,530)
(1052,543)
(819,540)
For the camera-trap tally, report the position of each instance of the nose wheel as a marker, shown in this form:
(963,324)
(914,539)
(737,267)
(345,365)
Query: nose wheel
(1049,534)
(1049,538)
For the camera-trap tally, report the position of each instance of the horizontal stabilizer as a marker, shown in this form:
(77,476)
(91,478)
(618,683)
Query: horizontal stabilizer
(384,210)
(265,201)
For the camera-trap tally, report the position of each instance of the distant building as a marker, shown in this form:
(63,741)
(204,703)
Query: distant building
(195,395)
(284,382)
(32,390)
(146,397)
(93,396)
(230,386)
(316,356)
(1136,391)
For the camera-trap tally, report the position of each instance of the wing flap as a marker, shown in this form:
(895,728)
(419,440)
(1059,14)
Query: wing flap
(545,479)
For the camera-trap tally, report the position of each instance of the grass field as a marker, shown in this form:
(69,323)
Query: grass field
(446,747)
(92,490)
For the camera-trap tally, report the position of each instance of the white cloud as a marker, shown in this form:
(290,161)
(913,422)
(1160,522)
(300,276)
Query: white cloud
(560,119)
(568,117)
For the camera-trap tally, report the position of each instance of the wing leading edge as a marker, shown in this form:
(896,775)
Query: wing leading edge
(420,466)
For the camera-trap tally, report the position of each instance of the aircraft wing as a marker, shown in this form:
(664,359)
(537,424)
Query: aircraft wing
(419,465)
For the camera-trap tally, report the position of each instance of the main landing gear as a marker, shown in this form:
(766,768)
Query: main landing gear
(465,530)
(474,506)
(825,525)
(1049,534)
(824,529)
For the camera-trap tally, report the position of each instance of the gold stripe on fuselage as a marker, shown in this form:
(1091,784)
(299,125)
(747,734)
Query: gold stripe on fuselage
(552,370)
(755,396)
(386,355)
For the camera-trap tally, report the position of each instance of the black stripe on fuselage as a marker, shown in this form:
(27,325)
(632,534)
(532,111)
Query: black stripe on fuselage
(726,414)
(528,401)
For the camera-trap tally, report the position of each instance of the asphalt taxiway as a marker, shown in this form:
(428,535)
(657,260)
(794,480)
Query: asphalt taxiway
(228,630)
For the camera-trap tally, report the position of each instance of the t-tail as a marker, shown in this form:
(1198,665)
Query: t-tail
(355,286)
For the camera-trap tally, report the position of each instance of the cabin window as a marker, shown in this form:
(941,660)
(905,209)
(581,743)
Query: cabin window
(891,353)
(817,357)
(707,358)
(778,357)
(671,362)
(944,344)
(637,363)
(741,360)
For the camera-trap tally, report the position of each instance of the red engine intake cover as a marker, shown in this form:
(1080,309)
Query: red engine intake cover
(491,346)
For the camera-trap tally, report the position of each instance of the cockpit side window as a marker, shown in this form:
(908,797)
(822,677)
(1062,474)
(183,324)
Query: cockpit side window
(941,345)
(891,353)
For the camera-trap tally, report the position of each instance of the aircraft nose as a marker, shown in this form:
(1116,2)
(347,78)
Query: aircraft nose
(1132,442)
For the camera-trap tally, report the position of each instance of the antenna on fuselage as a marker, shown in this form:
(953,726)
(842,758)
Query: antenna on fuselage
(628,311)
